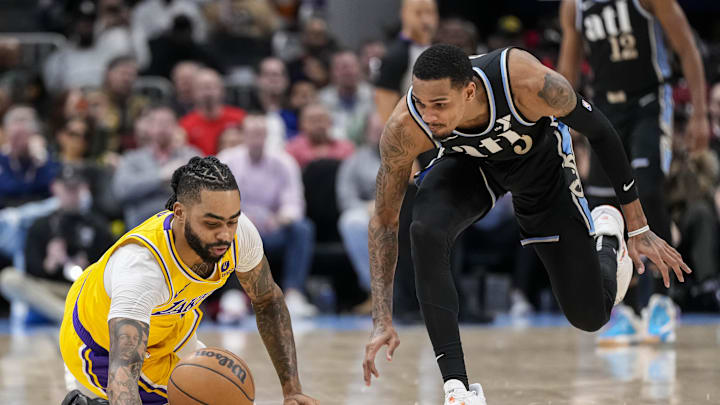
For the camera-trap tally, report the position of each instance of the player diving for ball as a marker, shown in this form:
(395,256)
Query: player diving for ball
(500,124)
(133,315)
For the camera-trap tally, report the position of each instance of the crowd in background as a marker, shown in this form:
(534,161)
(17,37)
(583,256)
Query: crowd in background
(93,129)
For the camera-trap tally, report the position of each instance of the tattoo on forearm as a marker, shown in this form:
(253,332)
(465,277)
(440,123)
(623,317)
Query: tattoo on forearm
(391,183)
(128,342)
(558,93)
(273,321)
(258,282)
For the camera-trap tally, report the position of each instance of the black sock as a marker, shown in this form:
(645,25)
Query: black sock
(607,247)
(451,361)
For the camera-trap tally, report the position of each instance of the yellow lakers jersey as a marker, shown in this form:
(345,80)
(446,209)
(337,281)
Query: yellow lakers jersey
(84,334)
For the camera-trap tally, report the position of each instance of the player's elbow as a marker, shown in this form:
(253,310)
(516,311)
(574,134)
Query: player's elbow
(273,295)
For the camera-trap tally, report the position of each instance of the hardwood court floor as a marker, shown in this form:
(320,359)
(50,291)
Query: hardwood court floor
(517,366)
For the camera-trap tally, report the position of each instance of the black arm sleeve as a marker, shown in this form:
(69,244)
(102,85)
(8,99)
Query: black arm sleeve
(605,141)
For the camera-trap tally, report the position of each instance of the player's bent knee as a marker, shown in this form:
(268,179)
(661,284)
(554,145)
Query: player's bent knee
(587,322)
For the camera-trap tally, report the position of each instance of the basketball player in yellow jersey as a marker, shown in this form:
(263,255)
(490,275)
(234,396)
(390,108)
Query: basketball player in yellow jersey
(132,315)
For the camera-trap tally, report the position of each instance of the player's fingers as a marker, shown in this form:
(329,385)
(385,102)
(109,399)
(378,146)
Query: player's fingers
(662,267)
(635,257)
(674,262)
(392,345)
(680,260)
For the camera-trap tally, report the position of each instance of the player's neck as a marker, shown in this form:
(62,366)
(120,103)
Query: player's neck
(477,114)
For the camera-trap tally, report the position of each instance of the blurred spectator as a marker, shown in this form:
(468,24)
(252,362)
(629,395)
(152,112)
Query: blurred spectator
(116,106)
(210,116)
(73,141)
(176,45)
(151,18)
(349,98)
(714,109)
(371,54)
(183,74)
(272,196)
(271,97)
(509,33)
(419,23)
(314,142)
(691,185)
(142,180)
(19,84)
(243,32)
(58,248)
(458,32)
(231,137)
(272,86)
(83,61)
(317,48)
(25,168)
(302,93)
(356,201)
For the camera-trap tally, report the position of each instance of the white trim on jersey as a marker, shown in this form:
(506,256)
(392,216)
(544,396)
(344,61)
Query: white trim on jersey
(491,106)
(487,185)
(506,85)
(642,10)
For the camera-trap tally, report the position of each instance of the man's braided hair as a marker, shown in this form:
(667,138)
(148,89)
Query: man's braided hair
(200,174)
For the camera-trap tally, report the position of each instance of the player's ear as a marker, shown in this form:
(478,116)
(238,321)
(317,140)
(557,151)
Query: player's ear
(179,210)
(470,90)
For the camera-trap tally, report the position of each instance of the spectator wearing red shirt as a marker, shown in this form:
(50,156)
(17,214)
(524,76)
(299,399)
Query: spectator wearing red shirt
(314,141)
(211,117)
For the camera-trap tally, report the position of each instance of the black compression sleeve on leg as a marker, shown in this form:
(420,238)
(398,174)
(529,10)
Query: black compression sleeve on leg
(605,141)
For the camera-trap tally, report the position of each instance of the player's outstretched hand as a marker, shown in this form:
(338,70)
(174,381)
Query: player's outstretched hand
(300,399)
(381,335)
(659,252)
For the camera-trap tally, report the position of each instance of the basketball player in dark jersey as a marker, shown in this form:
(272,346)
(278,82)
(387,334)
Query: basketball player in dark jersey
(629,61)
(492,120)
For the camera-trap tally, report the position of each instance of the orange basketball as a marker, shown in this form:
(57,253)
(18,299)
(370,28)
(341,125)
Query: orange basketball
(212,376)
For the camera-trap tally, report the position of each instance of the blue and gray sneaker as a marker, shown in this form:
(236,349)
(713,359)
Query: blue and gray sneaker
(660,318)
(624,328)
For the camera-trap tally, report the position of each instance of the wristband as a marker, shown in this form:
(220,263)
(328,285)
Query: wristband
(638,231)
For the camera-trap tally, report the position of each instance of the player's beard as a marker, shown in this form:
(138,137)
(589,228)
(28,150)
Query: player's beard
(203,250)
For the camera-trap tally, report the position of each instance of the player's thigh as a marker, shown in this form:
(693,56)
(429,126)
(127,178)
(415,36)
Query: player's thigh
(453,193)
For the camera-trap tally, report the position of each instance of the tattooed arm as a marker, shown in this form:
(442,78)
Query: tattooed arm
(401,142)
(540,92)
(128,342)
(273,322)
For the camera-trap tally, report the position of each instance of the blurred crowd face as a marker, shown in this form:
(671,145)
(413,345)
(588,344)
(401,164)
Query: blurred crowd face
(458,32)
(183,75)
(162,127)
(19,126)
(120,78)
(346,70)
(231,137)
(302,94)
(371,58)
(315,123)
(315,35)
(113,13)
(73,139)
(255,131)
(72,196)
(207,90)
(419,19)
(273,78)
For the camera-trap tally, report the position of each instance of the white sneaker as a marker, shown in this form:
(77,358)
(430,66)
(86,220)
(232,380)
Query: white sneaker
(233,307)
(298,305)
(609,222)
(456,394)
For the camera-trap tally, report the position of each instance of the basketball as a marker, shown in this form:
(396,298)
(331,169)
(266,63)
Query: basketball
(211,376)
